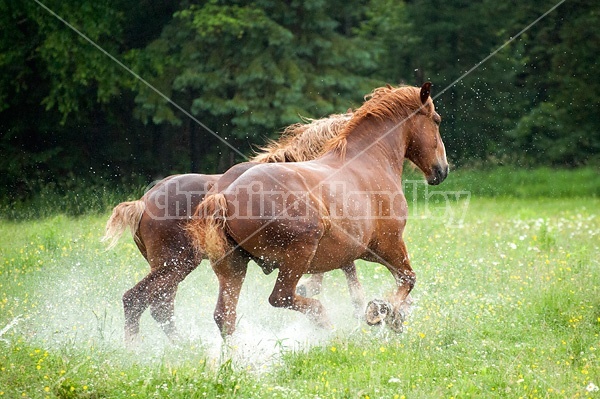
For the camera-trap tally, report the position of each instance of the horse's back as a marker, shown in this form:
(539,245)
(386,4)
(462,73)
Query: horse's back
(176,197)
(169,205)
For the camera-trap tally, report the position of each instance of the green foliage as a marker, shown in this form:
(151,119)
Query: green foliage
(246,70)
(60,95)
(562,126)
(73,71)
(77,70)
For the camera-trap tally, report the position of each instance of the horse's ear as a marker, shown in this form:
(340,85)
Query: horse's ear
(389,86)
(425,92)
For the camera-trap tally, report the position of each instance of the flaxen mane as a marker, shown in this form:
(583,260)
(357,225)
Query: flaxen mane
(303,141)
(383,103)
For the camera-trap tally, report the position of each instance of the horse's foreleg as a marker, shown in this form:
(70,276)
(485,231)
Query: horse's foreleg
(231,272)
(355,289)
(403,274)
(394,312)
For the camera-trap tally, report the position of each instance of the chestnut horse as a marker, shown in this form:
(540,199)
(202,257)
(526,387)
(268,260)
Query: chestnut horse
(157,222)
(317,216)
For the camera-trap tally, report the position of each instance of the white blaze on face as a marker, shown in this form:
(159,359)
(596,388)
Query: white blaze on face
(442,160)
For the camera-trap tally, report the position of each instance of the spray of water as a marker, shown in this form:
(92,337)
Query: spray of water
(78,303)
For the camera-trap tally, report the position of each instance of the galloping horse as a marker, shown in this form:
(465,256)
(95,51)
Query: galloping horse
(158,219)
(317,216)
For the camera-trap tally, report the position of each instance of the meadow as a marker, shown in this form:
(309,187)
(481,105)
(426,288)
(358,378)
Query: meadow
(507,305)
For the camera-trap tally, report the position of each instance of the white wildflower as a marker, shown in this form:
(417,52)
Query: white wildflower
(592,387)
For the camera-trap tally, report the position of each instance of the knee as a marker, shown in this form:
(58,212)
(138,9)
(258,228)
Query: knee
(131,298)
(409,279)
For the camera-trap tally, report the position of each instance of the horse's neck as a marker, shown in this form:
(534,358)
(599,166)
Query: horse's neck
(380,142)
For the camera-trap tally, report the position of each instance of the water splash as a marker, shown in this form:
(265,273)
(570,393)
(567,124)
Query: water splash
(80,305)
(10,325)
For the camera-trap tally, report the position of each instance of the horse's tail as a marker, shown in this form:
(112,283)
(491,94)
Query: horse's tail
(207,229)
(126,214)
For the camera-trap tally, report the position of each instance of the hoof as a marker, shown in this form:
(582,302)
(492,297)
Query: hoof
(377,311)
(301,290)
(381,312)
(395,321)
(308,288)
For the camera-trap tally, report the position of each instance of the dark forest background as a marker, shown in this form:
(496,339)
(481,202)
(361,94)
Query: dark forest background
(68,113)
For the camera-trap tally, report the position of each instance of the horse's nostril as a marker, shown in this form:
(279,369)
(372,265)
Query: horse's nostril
(438,175)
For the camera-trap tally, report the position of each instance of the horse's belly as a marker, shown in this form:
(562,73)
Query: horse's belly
(336,251)
(276,241)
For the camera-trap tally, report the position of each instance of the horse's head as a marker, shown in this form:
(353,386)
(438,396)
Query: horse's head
(425,147)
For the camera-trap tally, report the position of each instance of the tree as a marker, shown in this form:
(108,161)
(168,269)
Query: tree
(451,38)
(246,70)
(561,72)
(53,88)
(65,106)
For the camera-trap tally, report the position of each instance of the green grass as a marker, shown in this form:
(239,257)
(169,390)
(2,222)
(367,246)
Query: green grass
(513,182)
(77,197)
(507,306)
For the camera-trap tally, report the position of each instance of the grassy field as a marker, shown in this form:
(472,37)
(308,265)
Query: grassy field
(507,305)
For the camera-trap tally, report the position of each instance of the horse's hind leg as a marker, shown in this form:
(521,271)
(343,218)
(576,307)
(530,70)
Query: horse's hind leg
(290,270)
(156,290)
(135,302)
(310,286)
(163,290)
(284,296)
(357,294)
(231,272)
(145,294)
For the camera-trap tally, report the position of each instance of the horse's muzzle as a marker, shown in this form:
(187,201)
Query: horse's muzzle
(438,175)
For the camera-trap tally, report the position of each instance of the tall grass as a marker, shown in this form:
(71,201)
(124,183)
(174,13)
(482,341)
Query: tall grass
(73,197)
